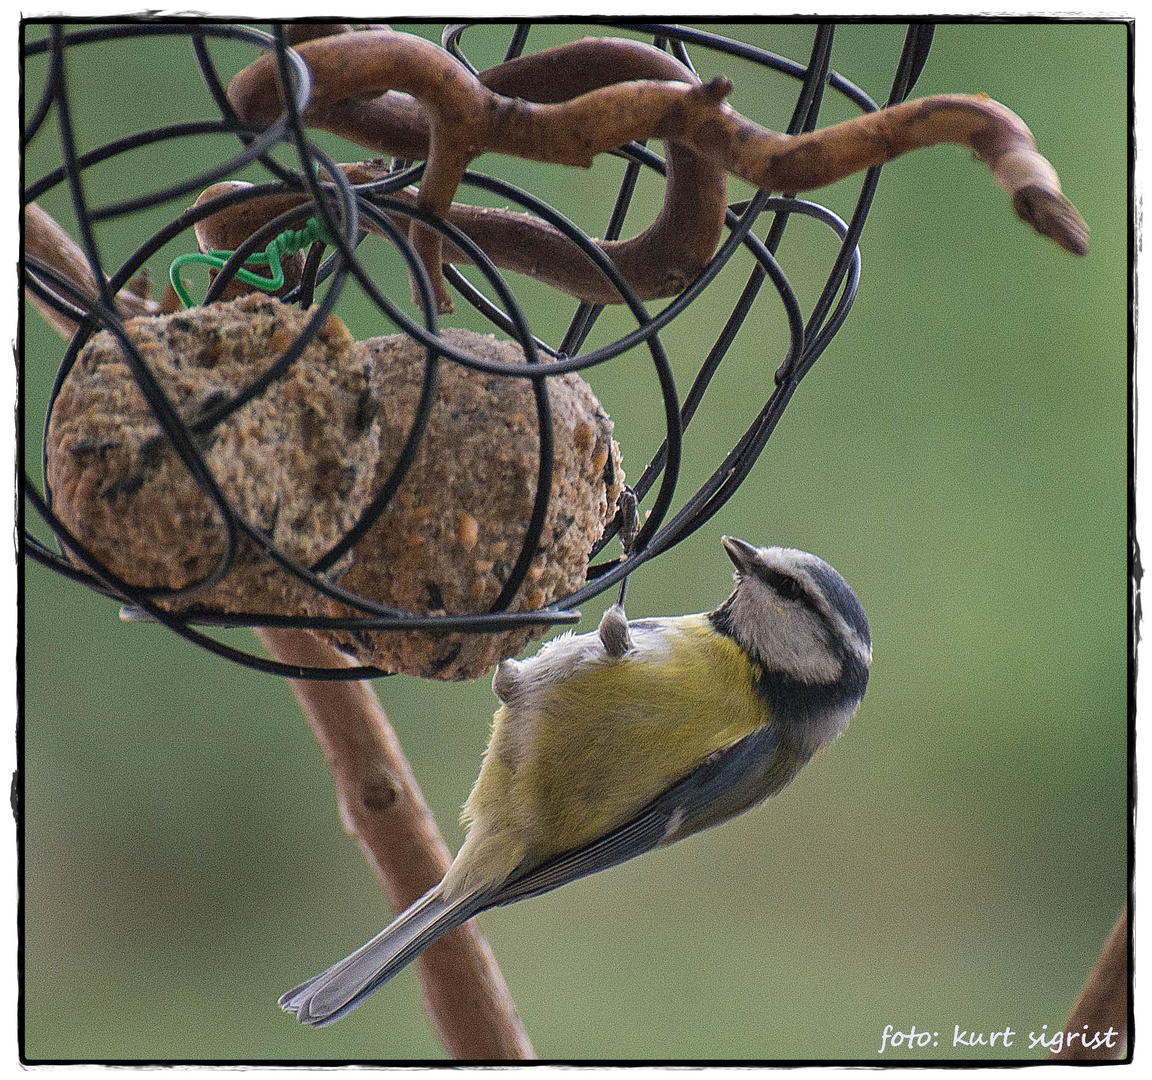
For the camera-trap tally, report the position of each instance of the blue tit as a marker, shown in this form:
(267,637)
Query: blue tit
(609,744)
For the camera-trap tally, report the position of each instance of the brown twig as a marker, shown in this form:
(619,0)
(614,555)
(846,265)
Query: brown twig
(1101,1014)
(658,262)
(513,241)
(457,116)
(45,242)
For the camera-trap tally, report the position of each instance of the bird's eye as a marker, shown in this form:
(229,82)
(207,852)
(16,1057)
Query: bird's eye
(788,588)
(785,586)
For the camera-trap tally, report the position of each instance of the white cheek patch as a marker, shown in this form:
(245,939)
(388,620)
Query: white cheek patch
(791,638)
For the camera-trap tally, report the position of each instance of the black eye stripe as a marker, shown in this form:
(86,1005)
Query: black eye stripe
(832,590)
(787,587)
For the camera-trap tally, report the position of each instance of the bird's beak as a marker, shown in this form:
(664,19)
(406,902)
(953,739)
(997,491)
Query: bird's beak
(739,551)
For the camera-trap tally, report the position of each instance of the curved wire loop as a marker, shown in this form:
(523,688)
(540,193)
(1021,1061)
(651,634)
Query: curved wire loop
(350,211)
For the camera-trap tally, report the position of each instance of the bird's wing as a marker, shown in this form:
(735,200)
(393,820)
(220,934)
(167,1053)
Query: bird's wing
(724,784)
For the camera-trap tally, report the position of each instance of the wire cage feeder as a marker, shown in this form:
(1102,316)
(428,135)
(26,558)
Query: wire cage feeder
(349,209)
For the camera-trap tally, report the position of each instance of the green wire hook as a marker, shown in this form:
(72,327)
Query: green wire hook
(288,242)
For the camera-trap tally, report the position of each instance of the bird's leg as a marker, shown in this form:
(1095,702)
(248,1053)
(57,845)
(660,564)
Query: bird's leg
(614,633)
(505,680)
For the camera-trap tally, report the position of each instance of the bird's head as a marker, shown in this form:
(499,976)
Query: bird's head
(800,621)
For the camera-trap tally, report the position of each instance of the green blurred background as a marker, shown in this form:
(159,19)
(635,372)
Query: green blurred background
(959,453)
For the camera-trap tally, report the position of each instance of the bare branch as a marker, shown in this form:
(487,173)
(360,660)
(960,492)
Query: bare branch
(364,84)
(45,242)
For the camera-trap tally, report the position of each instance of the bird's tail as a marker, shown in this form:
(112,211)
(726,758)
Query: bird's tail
(327,997)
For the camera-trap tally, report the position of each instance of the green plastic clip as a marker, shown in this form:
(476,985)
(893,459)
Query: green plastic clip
(288,242)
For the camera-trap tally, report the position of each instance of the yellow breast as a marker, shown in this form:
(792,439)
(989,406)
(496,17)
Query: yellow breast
(607,740)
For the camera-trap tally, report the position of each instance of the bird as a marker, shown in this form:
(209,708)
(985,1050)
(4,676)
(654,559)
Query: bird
(609,744)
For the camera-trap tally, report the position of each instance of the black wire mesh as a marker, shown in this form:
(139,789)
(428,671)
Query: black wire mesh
(344,208)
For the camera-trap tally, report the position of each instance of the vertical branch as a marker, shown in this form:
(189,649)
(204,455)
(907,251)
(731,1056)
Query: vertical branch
(381,805)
